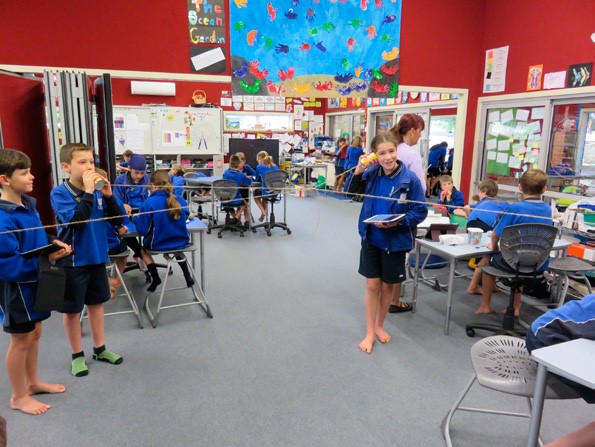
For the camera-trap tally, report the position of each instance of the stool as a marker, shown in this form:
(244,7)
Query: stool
(562,270)
(502,363)
(112,269)
(199,296)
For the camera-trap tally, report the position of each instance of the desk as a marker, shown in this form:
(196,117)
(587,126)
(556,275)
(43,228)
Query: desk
(208,182)
(574,360)
(452,253)
(307,168)
(195,226)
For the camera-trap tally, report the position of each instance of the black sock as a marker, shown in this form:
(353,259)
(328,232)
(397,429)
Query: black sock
(187,275)
(98,350)
(152,268)
(78,354)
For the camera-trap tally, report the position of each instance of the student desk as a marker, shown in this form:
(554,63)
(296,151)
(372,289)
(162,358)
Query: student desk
(208,182)
(451,253)
(307,168)
(195,226)
(574,360)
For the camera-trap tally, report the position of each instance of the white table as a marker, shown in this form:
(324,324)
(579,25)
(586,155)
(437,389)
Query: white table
(452,253)
(197,226)
(574,360)
(308,169)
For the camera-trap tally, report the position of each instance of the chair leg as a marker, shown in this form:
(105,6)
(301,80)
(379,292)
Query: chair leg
(454,408)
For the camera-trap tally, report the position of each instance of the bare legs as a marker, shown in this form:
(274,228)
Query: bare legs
(21,365)
(377,300)
(583,437)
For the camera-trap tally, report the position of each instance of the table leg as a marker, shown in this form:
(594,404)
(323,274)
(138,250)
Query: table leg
(250,198)
(415,277)
(451,279)
(202,261)
(537,409)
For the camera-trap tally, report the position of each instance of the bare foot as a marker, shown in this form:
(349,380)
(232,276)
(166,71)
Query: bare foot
(28,405)
(516,312)
(483,310)
(261,218)
(367,343)
(496,290)
(475,291)
(383,336)
(46,388)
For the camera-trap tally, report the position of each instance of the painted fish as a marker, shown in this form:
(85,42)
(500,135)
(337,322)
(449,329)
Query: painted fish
(386,38)
(241,71)
(389,18)
(351,43)
(251,37)
(328,26)
(345,64)
(304,47)
(343,78)
(320,46)
(251,88)
(371,31)
(272,11)
(389,56)
(291,15)
(281,48)
(239,26)
(355,23)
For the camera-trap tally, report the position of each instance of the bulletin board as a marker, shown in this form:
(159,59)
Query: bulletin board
(513,142)
(132,129)
(187,130)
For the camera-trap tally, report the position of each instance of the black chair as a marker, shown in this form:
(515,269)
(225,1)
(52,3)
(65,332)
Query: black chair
(275,182)
(225,191)
(526,248)
(192,194)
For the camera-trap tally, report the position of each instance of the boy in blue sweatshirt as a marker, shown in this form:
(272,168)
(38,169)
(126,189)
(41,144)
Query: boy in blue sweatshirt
(132,187)
(79,208)
(485,212)
(19,277)
(385,245)
(235,174)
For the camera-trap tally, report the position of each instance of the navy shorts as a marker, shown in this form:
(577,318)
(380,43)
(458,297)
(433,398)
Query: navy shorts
(339,170)
(85,285)
(377,263)
(20,328)
(121,248)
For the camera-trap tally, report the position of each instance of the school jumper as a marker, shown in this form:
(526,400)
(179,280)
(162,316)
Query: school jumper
(261,171)
(456,199)
(401,184)
(19,275)
(351,161)
(248,170)
(436,157)
(133,194)
(241,180)
(161,231)
(487,210)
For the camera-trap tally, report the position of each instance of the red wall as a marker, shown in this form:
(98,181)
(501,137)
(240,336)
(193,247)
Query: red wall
(22,117)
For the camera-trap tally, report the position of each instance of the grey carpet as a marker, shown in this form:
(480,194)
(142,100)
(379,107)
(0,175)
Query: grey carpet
(278,365)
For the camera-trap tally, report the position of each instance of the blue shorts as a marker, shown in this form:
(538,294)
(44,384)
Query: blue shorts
(377,263)
(85,285)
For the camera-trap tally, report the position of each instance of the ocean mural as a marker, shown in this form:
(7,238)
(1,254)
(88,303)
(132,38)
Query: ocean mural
(315,48)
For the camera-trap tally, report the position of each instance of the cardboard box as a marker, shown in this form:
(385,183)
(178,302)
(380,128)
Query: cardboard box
(301,191)
(582,251)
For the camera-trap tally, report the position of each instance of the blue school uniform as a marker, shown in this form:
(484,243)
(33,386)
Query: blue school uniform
(19,275)
(401,184)
(241,180)
(178,182)
(487,210)
(339,161)
(111,230)
(533,210)
(133,194)
(353,155)
(88,240)
(248,170)
(161,231)
(261,171)
(436,156)
(456,199)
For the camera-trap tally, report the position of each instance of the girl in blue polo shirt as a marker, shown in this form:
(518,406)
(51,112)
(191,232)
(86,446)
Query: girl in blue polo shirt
(162,223)
(385,245)
(265,164)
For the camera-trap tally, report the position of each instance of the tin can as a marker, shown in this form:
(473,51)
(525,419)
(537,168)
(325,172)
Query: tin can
(99,183)
(370,159)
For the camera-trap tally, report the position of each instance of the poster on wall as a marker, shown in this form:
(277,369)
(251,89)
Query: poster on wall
(206,31)
(534,77)
(579,75)
(494,79)
(315,49)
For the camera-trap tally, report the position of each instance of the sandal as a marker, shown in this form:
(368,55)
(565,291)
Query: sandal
(402,307)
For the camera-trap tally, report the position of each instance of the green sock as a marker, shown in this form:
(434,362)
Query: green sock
(108,356)
(79,367)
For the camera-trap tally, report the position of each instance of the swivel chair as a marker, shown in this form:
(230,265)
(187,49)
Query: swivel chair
(275,183)
(225,192)
(526,248)
(193,196)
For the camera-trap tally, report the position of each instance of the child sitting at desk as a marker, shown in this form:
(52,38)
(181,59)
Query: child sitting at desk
(265,164)
(176,178)
(450,195)
(529,210)
(485,212)
(246,168)
(162,222)
(243,182)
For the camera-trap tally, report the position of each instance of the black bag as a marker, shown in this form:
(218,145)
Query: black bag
(51,286)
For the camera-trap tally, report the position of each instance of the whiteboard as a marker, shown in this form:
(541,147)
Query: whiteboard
(187,130)
(132,129)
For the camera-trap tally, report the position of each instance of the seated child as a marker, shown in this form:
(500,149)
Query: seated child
(450,195)
(245,168)
(125,164)
(529,210)
(485,212)
(243,181)
(163,230)
(265,164)
(176,177)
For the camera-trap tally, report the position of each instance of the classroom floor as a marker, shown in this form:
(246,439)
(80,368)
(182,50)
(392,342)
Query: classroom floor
(278,365)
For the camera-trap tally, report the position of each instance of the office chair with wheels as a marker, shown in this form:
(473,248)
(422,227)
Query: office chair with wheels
(526,248)
(502,363)
(225,191)
(275,182)
(192,194)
